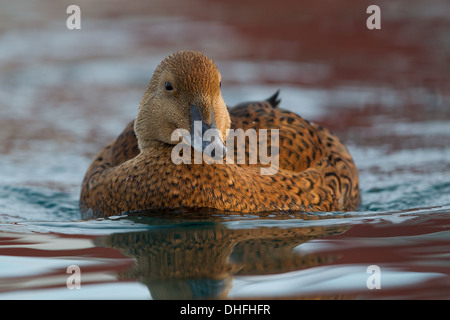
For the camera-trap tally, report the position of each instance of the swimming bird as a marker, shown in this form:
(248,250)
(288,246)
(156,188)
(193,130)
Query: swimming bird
(136,172)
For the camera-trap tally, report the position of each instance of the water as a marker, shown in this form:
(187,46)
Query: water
(65,94)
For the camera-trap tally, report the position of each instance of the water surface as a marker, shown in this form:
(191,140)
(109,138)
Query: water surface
(65,94)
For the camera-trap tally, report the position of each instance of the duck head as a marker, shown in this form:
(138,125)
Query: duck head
(184,93)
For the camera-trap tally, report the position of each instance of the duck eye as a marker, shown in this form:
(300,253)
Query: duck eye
(168,86)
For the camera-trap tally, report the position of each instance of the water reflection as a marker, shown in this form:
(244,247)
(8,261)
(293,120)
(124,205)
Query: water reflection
(200,261)
(242,257)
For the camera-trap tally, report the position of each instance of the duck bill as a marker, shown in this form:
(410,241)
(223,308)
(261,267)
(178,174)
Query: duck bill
(206,138)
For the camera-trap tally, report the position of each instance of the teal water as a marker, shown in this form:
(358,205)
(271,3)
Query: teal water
(64,95)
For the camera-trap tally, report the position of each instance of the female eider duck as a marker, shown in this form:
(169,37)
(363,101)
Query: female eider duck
(136,172)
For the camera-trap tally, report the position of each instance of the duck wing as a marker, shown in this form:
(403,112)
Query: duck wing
(299,145)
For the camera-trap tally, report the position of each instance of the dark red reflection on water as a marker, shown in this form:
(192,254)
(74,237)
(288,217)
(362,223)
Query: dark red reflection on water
(413,248)
(56,252)
(409,50)
(418,245)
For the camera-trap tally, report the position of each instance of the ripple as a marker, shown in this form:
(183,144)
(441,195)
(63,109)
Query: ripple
(36,203)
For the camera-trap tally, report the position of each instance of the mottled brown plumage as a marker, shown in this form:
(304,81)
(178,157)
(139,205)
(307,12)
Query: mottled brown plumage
(135,172)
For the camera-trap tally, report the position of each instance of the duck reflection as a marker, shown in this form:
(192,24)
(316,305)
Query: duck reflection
(198,260)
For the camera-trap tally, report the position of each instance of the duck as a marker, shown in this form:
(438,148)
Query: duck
(136,173)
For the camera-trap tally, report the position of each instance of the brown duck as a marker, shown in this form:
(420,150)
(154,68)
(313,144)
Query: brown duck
(136,172)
